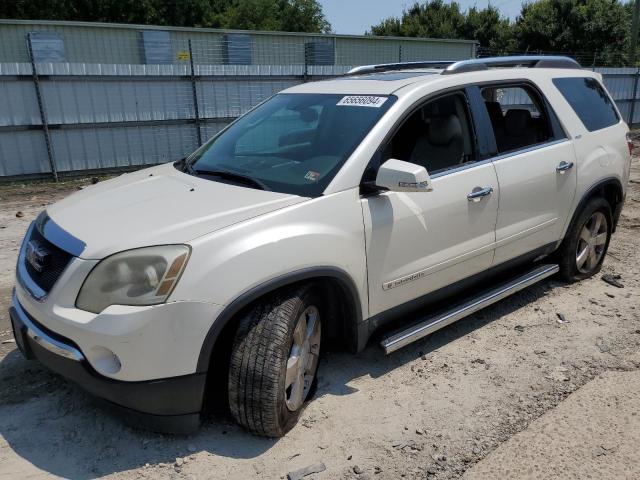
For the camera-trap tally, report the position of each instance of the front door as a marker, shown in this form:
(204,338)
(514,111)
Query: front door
(419,242)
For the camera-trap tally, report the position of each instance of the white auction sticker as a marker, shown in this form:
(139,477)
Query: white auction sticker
(362,101)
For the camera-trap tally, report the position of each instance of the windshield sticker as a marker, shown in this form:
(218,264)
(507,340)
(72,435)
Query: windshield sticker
(362,101)
(312,176)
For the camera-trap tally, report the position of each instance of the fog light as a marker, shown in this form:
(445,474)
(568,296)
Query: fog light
(104,360)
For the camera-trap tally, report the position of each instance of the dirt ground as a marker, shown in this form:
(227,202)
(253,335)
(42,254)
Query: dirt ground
(509,392)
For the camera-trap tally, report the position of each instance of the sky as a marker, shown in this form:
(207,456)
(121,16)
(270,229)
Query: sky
(356,16)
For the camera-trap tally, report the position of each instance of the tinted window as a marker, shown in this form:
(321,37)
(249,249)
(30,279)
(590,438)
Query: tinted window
(518,117)
(589,100)
(437,136)
(293,143)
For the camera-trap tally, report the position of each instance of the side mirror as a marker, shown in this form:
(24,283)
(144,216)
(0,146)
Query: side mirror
(398,176)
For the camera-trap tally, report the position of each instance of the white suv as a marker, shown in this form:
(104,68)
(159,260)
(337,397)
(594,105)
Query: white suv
(420,192)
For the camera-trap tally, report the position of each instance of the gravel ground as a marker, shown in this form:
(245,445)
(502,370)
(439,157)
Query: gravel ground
(441,408)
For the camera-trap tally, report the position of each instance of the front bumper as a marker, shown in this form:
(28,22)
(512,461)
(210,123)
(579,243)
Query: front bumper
(169,405)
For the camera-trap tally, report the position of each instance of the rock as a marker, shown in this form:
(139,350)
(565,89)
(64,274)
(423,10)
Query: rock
(519,328)
(562,318)
(357,470)
(19,214)
(612,280)
(539,352)
(478,360)
(303,472)
(377,469)
(610,295)
(179,462)
(94,180)
(603,345)
(11,340)
(348,458)
(476,450)
(423,357)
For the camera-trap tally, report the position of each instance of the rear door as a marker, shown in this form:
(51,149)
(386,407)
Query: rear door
(536,169)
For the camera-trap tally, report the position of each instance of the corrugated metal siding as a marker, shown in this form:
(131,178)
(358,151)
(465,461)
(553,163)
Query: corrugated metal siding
(18,103)
(97,148)
(101,43)
(82,101)
(23,153)
(93,103)
(107,109)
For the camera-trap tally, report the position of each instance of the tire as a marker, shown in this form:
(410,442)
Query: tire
(270,336)
(581,253)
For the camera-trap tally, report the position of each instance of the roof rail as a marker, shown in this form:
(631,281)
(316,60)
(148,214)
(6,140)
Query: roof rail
(531,61)
(473,65)
(386,67)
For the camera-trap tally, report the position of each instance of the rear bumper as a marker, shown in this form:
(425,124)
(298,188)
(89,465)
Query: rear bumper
(169,405)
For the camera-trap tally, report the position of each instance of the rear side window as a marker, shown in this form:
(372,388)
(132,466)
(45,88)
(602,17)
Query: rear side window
(589,100)
(518,116)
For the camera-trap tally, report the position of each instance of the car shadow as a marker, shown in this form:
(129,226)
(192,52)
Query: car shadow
(59,429)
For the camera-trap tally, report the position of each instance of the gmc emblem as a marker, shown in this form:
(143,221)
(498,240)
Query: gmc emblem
(37,255)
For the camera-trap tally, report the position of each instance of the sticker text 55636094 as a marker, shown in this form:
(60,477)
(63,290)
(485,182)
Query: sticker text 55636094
(362,101)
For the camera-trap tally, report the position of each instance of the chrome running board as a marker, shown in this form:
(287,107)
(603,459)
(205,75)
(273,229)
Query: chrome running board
(426,327)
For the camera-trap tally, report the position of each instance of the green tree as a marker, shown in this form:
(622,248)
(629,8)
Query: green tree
(583,27)
(489,28)
(436,19)
(283,15)
(587,29)
(433,19)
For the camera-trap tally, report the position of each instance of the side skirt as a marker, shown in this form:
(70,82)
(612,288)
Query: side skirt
(470,305)
(414,311)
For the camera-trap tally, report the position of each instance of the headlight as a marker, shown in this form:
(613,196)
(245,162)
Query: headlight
(144,276)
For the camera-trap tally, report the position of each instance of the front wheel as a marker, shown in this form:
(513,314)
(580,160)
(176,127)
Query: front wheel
(274,361)
(585,246)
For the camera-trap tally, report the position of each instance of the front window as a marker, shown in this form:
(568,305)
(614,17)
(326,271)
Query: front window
(293,143)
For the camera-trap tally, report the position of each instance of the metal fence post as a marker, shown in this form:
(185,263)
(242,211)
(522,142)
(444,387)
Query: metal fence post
(43,113)
(196,108)
(305,77)
(632,110)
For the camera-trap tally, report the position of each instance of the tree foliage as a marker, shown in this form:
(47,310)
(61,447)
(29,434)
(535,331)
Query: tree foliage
(598,27)
(281,15)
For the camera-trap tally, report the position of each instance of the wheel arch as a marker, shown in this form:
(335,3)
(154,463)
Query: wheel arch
(611,190)
(332,280)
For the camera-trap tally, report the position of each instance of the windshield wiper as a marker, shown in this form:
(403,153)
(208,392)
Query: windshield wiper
(232,176)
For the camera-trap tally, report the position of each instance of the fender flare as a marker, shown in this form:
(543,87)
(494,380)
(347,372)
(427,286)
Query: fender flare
(589,194)
(253,294)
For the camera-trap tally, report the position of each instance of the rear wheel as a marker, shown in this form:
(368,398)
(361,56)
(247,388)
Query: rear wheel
(274,361)
(585,246)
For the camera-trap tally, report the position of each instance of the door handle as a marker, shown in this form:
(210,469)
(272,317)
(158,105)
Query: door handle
(479,193)
(563,167)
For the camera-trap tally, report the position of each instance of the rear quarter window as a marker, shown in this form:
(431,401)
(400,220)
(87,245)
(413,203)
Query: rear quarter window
(589,100)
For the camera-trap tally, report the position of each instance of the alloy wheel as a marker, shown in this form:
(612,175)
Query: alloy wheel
(303,358)
(592,241)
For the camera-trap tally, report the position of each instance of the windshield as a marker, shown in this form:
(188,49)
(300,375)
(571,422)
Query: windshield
(292,143)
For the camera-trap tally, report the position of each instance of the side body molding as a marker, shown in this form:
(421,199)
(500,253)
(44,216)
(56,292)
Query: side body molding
(346,283)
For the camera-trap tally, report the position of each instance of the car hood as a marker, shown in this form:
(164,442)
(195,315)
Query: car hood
(155,206)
